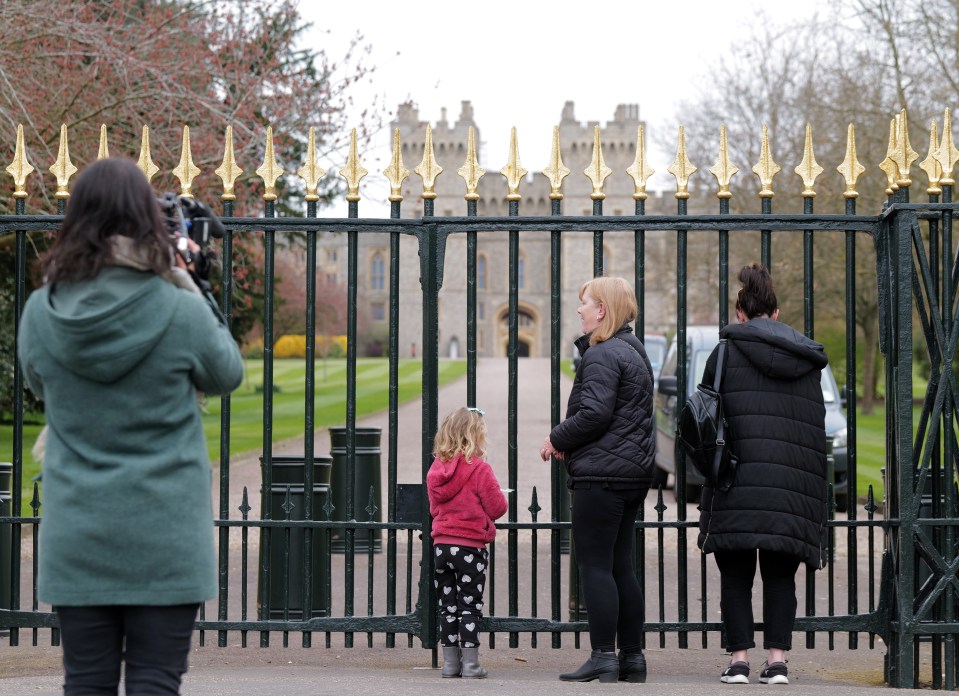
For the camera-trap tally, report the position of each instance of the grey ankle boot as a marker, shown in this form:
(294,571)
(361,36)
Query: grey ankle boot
(471,665)
(452,662)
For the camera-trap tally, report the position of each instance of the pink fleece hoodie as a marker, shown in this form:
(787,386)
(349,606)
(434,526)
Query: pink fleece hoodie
(465,498)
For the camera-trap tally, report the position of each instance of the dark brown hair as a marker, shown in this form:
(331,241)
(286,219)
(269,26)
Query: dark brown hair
(756,297)
(111,197)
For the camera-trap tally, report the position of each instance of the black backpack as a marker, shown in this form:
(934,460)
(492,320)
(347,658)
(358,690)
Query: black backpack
(703,431)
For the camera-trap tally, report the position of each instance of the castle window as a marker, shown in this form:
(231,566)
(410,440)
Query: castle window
(481,272)
(377,272)
(378,311)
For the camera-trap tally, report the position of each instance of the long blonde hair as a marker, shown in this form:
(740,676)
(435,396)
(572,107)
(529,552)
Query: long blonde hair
(617,296)
(463,431)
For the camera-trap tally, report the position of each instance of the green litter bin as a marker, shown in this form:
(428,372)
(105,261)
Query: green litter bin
(366,475)
(287,562)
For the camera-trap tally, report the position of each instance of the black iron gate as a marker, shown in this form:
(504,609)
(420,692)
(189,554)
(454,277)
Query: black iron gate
(911,530)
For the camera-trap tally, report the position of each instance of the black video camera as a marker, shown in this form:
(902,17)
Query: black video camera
(188,219)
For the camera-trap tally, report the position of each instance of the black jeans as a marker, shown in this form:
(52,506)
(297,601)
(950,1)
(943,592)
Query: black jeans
(603,521)
(154,642)
(737,569)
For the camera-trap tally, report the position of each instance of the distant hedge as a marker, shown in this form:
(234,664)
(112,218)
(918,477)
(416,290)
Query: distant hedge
(294,346)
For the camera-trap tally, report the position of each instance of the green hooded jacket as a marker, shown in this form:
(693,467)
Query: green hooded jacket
(127,513)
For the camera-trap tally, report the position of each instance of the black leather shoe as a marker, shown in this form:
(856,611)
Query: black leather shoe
(632,667)
(603,666)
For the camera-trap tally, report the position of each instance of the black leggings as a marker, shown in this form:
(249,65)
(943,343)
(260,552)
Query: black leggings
(603,522)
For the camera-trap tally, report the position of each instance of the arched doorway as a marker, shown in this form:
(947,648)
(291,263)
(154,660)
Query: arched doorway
(527,330)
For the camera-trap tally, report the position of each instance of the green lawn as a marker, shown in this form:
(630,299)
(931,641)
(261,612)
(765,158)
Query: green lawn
(289,404)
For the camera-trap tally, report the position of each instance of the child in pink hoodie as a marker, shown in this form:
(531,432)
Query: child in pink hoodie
(465,498)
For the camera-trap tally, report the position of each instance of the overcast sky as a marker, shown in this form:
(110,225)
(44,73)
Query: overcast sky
(518,62)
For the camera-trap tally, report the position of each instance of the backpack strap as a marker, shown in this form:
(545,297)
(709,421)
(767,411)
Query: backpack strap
(721,425)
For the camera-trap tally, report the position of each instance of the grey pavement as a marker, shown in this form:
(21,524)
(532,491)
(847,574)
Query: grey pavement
(215,671)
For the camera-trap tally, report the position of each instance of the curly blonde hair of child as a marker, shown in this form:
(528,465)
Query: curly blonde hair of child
(463,431)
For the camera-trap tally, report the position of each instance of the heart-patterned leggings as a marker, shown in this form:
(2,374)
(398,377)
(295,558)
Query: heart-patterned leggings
(460,578)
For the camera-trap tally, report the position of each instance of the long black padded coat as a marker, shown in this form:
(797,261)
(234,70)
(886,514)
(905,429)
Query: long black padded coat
(772,399)
(607,436)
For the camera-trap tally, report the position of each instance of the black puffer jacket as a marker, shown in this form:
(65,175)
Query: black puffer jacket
(608,432)
(772,398)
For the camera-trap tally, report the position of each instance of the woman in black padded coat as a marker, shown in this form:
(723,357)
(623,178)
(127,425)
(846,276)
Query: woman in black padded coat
(606,442)
(776,507)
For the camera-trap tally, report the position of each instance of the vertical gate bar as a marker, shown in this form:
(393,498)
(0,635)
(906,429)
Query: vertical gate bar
(808,330)
(352,263)
(16,494)
(244,562)
(267,500)
(766,236)
(937,533)
(471,309)
(808,281)
(661,565)
(681,377)
(723,267)
(949,453)
(287,534)
(512,408)
(639,285)
(639,272)
(870,508)
(35,604)
(370,562)
(849,389)
(409,581)
(491,586)
(393,452)
(597,241)
(534,508)
(556,478)
(54,632)
(429,243)
(226,302)
(901,348)
(309,423)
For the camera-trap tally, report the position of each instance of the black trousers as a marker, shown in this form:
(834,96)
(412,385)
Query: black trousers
(603,531)
(153,641)
(737,570)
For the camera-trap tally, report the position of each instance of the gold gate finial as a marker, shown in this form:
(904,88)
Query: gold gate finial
(20,168)
(513,171)
(639,170)
(850,168)
(888,165)
(931,165)
(948,155)
(429,168)
(556,171)
(681,168)
(104,150)
(63,168)
(723,170)
(396,172)
(310,172)
(145,162)
(186,171)
(270,170)
(809,168)
(766,168)
(471,171)
(597,171)
(904,155)
(228,171)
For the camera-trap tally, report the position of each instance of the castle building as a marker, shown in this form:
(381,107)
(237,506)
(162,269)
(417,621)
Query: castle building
(450,149)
